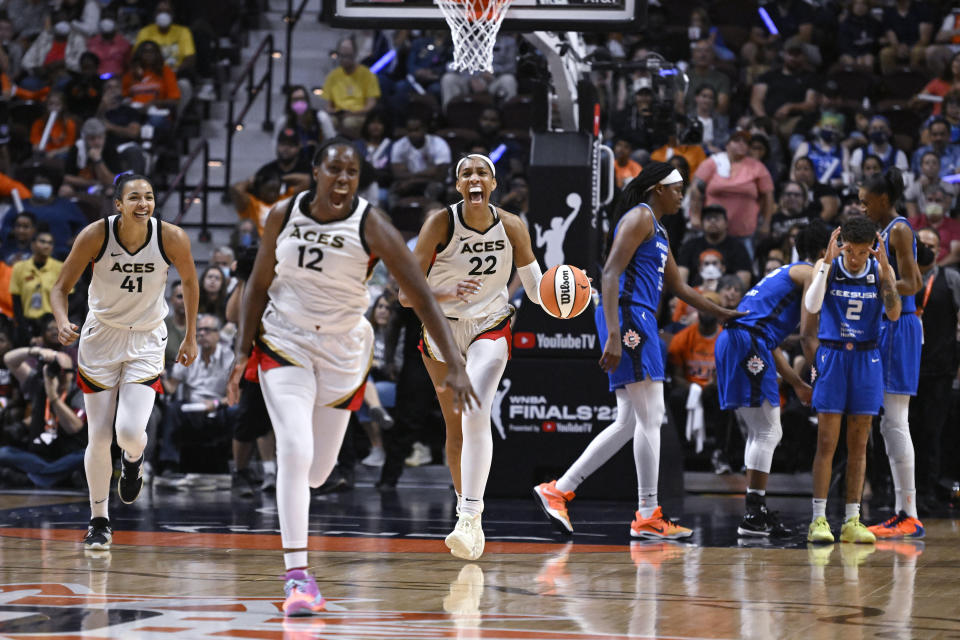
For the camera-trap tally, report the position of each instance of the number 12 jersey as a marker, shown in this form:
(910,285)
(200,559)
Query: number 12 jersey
(320,281)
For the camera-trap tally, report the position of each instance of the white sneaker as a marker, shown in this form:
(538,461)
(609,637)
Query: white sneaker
(376,458)
(419,456)
(466,540)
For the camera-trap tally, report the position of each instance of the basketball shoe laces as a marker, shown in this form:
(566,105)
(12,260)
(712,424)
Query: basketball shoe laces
(302,588)
(894,520)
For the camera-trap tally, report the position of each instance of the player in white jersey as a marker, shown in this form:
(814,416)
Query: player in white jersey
(305,303)
(123,337)
(467,251)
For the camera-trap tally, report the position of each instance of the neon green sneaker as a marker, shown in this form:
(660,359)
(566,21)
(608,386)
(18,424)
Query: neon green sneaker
(820,531)
(855,531)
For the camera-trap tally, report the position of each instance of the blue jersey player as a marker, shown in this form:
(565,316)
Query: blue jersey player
(638,265)
(852,288)
(748,359)
(900,344)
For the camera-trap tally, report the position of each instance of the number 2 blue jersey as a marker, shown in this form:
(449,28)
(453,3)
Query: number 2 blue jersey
(908,302)
(642,281)
(851,306)
(772,306)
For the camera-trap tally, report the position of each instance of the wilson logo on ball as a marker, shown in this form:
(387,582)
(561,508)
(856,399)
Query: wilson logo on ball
(564,291)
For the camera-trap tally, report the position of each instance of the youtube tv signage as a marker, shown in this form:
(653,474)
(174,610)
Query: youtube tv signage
(538,335)
(544,415)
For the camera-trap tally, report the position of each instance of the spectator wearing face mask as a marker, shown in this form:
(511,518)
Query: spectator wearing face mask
(311,125)
(54,50)
(881,146)
(175,41)
(712,269)
(63,218)
(112,48)
(915,197)
(715,236)
(934,217)
(829,157)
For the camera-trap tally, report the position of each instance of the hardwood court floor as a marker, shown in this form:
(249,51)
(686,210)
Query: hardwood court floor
(205,565)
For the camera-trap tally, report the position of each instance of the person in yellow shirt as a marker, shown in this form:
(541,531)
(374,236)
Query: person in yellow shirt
(30,284)
(175,40)
(351,90)
(176,47)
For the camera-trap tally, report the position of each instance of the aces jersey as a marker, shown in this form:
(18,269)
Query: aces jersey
(485,255)
(127,289)
(320,282)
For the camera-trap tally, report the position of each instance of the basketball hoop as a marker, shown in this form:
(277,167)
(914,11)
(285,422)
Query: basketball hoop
(474,25)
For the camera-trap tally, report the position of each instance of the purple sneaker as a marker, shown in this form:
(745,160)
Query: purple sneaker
(303,596)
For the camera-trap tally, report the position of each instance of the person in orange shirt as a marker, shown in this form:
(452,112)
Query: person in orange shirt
(151,83)
(691,358)
(63,134)
(625,168)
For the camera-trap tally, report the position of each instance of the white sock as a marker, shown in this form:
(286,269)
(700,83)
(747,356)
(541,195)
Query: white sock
(270,466)
(471,506)
(459,501)
(852,510)
(759,492)
(908,501)
(294,559)
(819,508)
(648,504)
(565,485)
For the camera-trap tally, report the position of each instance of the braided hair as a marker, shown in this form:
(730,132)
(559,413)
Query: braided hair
(637,191)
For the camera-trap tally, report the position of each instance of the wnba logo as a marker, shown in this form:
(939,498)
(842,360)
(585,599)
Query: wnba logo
(566,288)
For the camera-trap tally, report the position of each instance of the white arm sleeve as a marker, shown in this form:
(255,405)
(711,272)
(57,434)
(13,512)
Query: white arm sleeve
(818,288)
(530,277)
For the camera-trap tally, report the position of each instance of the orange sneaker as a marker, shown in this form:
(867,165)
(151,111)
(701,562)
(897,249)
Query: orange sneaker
(657,527)
(554,504)
(899,526)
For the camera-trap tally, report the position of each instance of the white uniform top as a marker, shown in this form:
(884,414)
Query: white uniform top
(484,255)
(322,269)
(127,288)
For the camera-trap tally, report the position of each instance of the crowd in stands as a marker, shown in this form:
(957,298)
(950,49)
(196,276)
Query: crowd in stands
(88,89)
(774,131)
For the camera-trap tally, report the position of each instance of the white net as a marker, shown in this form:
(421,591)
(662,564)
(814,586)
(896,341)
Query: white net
(474,25)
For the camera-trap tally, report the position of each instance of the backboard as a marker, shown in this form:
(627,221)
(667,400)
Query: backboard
(523,15)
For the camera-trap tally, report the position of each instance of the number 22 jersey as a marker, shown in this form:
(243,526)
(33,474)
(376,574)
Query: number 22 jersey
(320,282)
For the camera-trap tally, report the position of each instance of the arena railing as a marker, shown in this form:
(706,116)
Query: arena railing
(253,89)
(291,19)
(200,193)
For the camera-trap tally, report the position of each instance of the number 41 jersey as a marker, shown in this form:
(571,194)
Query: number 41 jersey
(127,289)
(320,281)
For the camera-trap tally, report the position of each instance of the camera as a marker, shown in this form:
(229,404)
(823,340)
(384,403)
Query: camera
(245,258)
(52,367)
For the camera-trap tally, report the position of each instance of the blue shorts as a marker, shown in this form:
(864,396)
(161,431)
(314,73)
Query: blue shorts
(643,354)
(848,382)
(900,344)
(746,372)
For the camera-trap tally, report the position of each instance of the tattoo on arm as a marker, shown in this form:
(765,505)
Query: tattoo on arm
(890,295)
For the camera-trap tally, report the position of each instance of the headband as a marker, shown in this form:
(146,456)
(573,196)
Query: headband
(672,178)
(479,156)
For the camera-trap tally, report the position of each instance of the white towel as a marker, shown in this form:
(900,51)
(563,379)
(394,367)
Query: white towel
(695,429)
(722,160)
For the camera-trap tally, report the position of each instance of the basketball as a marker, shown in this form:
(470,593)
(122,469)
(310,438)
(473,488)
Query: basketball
(564,291)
